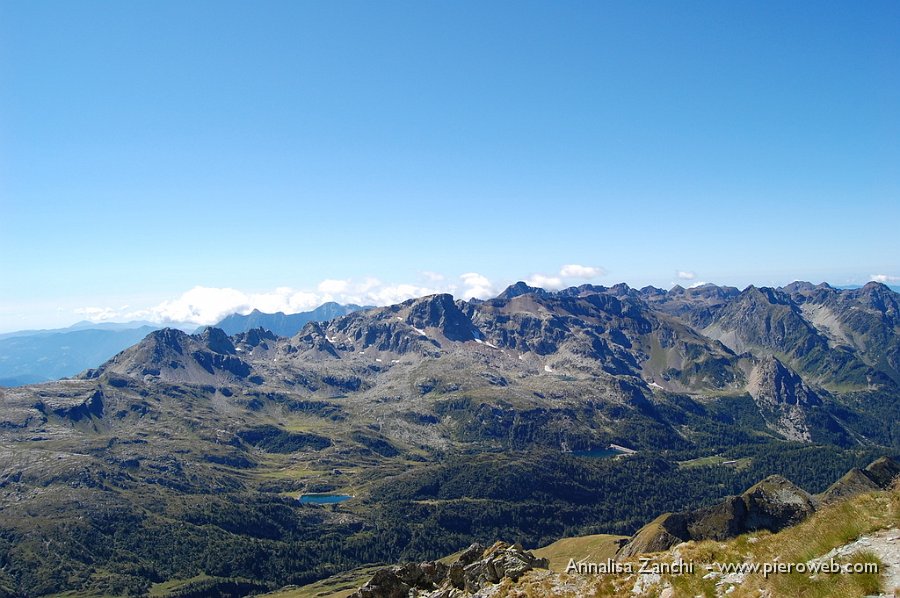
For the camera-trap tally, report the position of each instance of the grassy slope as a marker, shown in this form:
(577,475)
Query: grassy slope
(596,548)
(831,527)
(337,586)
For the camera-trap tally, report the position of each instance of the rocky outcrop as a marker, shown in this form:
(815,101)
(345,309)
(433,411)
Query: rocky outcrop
(92,407)
(474,569)
(783,398)
(772,504)
(662,533)
(883,471)
(878,475)
(442,313)
(313,338)
(175,356)
(853,482)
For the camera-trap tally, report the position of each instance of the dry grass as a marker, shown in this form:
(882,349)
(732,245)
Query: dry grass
(596,549)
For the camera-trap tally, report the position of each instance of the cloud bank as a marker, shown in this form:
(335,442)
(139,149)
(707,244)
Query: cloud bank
(208,305)
(885,278)
(567,276)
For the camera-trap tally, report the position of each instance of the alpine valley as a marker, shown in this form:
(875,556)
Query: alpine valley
(175,467)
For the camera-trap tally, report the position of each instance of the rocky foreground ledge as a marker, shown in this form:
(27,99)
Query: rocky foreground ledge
(475,569)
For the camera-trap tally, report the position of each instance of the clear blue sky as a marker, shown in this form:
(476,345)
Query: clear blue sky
(148,148)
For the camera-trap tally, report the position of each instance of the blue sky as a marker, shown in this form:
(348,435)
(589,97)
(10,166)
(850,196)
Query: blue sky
(180,159)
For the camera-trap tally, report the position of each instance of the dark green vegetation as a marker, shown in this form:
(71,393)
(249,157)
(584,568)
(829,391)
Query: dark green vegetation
(181,458)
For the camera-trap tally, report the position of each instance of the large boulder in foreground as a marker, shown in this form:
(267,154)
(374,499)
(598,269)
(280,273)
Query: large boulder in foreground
(473,570)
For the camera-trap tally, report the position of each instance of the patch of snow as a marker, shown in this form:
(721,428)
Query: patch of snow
(395,361)
(420,331)
(362,352)
(378,360)
(479,341)
(655,385)
(522,356)
(548,369)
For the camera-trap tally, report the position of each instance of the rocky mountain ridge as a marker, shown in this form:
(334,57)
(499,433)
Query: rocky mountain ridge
(617,345)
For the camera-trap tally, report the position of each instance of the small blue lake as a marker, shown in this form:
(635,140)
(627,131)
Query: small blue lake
(597,453)
(323,499)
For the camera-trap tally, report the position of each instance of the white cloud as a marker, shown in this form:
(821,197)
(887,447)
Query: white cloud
(433,276)
(566,273)
(301,301)
(203,305)
(545,282)
(389,295)
(208,305)
(333,286)
(368,284)
(97,314)
(685,275)
(476,285)
(576,271)
(885,278)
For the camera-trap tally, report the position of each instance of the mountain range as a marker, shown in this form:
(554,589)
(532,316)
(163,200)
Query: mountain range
(441,422)
(800,357)
(31,356)
(284,324)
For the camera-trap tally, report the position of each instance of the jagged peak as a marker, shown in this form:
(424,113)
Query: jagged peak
(217,341)
(442,312)
(311,328)
(255,336)
(874,286)
(883,471)
(768,294)
(173,338)
(651,290)
(799,286)
(619,289)
(520,288)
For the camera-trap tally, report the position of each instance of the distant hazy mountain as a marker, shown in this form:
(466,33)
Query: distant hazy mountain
(284,324)
(849,287)
(47,355)
(87,325)
(30,356)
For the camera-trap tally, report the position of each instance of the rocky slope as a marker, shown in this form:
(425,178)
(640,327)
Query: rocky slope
(773,504)
(547,354)
(476,568)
